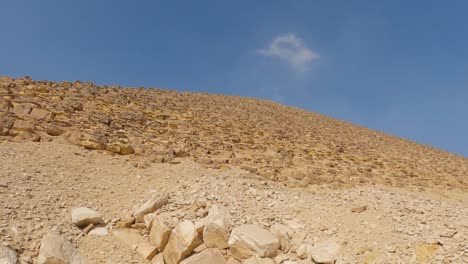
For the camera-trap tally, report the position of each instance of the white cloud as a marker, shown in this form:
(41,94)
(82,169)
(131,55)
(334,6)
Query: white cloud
(292,49)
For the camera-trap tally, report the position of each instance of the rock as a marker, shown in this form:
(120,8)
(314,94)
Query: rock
(200,248)
(150,206)
(125,223)
(209,256)
(248,239)
(138,226)
(8,255)
(216,233)
(146,250)
(85,140)
(99,231)
(23,126)
(126,150)
(258,260)
(297,240)
(325,251)
(87,229)
(41,114)
(55,249)
(5,105)
(52,130)
(161,229)
(158,259)
(284,234)
(121,149)
(148,220)
(182,241)
(27,136)
(200,225)
(92,144)
(359,209)
(303,251)
(83,216)
(215,236)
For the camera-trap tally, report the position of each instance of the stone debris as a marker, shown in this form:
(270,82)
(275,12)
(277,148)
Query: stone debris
(248,240)
(83,216)
(278,168)
(55,249)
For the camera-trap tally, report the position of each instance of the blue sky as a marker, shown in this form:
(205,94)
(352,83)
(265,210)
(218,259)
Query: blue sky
(396,66)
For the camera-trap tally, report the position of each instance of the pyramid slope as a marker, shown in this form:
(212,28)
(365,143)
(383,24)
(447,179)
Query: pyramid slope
(277,142)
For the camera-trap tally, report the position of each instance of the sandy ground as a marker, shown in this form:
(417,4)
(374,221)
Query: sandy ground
(41,182)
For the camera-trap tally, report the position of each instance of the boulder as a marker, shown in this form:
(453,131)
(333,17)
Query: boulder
(216,233)
(215,236)
(248,240)
(161,229)
(52,130)
(284,234)
(150,206)
(83,216)
(209,256)
(56,249)
(8,255)
(325,251)
(182,241)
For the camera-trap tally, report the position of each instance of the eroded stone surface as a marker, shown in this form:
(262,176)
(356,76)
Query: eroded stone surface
(83,216)
(55,249)
(248,240)
(182,241)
